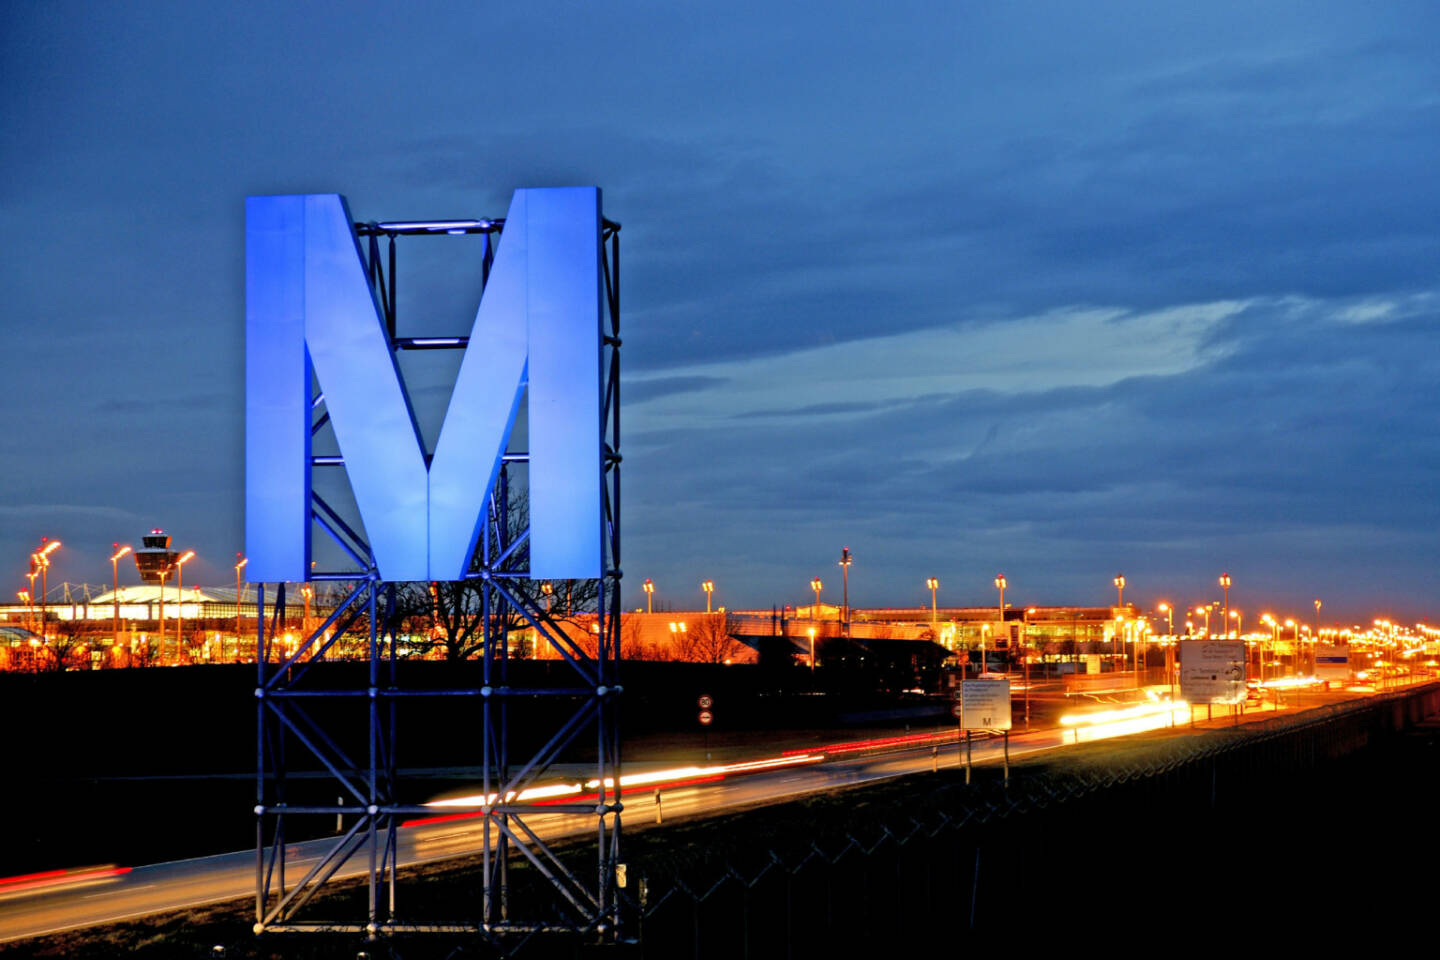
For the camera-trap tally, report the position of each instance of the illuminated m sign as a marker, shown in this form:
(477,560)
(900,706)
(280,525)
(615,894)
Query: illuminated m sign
(310,310)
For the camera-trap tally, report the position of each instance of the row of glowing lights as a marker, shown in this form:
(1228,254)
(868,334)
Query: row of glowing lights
(1387,631)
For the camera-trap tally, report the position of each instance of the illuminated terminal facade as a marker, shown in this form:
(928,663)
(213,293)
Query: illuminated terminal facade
(694,635)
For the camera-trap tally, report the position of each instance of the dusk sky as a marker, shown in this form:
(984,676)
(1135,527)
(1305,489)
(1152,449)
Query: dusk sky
(1059,290)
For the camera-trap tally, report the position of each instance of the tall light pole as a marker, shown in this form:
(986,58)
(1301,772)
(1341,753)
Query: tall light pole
(24,596)
(1000,584)
(1169,612)
(816,585)
(546,588)
(1119,582)
(180,601)
(1296,626)
(1268,621)
(240,562)
(1225,585)
(164,572)
(30,594)
(649,586)
(845,561)
(1206,612)
(49,547)
(709,587)
(1317,617)
(934,584)
(115,591)
(1239,619)
(308,592)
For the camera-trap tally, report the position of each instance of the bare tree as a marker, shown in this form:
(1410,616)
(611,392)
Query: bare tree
(711,640)
(634,646)
(66,650)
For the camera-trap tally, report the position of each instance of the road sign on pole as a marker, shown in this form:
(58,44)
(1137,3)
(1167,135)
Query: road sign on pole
(985,704)
(1212,671)
(1332,662)
(706,717)
(706,701)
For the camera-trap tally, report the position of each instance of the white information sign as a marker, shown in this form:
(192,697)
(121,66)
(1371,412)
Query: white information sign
(985,704)
(1332,662)
(1212,671)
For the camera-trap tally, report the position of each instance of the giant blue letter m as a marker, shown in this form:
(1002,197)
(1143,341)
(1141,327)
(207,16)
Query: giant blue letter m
(310,310)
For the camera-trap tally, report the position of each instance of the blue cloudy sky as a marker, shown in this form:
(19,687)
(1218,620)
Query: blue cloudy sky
(1057,289)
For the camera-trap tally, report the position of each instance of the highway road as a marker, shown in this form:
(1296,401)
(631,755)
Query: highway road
(40,905)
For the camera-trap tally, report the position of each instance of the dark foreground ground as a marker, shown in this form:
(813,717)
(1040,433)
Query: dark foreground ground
(1233,840)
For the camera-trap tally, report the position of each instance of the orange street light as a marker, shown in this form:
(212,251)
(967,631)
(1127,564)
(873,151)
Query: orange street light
(812,651)
(308,592)
(649,586)
(1169,612)
(1292,624)
(164,572)
(934,584)
(1239,619)
(180,601)
(115,591)
(1119,582)
(1225,585)
(43,560)
(239,598)
(34,572)
(1000,584)
(548,589)
(815,585)
(709,587)
(845,561)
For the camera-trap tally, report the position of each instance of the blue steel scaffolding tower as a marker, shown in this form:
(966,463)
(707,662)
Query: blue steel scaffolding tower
(288,698)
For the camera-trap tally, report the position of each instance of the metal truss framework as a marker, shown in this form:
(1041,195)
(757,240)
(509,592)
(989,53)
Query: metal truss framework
(372,846)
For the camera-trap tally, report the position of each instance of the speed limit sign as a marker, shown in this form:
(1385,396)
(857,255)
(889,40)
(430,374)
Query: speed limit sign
(705,717)
(706,701)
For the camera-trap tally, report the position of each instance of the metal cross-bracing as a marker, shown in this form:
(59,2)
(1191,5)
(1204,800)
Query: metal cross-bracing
(337,723)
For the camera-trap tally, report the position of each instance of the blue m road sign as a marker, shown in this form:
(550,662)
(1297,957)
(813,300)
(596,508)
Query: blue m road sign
(310,312)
